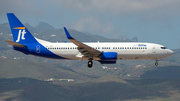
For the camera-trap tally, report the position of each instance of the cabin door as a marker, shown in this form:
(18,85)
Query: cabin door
(154,49)
(38,49)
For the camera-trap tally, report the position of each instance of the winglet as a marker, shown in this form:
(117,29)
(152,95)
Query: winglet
(67,34)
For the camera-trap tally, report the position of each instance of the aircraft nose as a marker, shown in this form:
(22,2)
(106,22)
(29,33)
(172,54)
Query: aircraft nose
(170,52)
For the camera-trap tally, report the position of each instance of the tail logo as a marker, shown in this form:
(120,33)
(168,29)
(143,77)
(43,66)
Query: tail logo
(21,33)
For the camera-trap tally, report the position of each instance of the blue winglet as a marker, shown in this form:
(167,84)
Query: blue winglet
(67,34)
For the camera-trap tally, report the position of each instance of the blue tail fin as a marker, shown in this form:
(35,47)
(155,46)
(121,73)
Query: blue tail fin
(20,33)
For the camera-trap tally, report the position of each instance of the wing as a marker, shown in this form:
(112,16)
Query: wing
(84,49)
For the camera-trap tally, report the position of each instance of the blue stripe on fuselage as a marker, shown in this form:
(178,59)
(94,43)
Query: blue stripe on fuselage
(38,50)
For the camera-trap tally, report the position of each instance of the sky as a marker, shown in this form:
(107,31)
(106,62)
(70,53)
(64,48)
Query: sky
(155,21)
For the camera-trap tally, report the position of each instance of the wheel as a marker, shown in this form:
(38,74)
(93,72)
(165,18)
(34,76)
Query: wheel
(90,63)
(156,63)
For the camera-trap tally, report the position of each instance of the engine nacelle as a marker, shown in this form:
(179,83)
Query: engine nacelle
(108,56)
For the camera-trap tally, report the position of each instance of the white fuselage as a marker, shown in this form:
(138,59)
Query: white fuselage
(125,50)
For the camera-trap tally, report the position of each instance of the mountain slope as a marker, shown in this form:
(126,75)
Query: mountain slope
(104,91)
(43,26)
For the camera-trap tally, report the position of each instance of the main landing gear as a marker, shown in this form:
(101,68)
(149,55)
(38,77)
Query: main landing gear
(156,63)
(90,63)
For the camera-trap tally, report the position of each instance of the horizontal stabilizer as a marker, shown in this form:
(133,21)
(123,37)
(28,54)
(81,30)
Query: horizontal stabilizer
(14,44)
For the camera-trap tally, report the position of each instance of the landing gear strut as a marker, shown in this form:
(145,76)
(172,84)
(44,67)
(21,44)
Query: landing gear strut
(156,63)
(90,63)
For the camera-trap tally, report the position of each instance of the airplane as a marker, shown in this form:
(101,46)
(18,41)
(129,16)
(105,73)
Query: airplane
(103,52)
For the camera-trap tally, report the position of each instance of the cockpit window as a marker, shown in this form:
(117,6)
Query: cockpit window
(163,48)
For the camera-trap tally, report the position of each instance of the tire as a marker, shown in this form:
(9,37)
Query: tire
(90,64)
